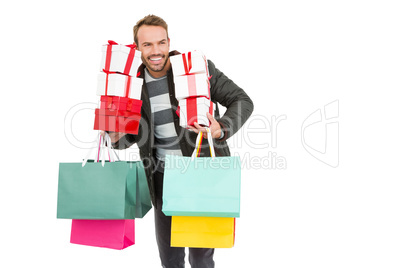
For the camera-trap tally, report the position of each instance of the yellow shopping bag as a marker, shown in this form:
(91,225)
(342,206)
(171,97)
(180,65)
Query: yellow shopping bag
(202,232)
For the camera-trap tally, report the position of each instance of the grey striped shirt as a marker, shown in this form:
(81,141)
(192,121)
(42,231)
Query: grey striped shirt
(166,141)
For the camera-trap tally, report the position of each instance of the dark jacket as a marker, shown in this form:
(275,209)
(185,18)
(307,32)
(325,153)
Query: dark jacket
(223,90)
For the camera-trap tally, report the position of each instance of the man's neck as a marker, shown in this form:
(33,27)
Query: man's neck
(162,72)
(149,77)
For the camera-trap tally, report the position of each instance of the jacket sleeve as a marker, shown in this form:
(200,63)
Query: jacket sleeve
(125,142)
(238,104)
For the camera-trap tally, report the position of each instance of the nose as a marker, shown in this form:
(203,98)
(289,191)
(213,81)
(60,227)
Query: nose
(155,50)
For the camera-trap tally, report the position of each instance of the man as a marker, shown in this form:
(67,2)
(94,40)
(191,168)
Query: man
(160,134)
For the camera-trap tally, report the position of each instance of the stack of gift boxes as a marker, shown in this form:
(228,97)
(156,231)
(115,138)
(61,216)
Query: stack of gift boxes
(193,226)
(191,79)
(119,89)
(100,223)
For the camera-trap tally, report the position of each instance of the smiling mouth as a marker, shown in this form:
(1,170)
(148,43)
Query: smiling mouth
(155,58)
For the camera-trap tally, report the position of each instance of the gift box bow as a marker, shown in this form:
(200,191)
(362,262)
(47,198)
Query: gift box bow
(130,57)
(111,42)
(126,114)
(121,103)
(188,65)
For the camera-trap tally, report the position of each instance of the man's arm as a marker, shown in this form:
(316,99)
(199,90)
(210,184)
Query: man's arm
(122,141)
(238,103)
(114,136)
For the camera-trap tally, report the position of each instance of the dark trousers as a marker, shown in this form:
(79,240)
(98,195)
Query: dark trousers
(173,257)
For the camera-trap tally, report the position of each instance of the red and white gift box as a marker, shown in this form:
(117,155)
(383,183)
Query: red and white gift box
(121,104)
(120,89)
(189,63)
(118,58)
(193,85)
(114,84)
(195,110)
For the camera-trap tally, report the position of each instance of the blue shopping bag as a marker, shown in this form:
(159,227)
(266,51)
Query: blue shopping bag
(202,186)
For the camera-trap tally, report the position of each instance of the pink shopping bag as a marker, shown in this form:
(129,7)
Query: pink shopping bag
(114,234)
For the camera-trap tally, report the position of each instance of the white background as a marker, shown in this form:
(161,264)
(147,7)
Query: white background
(291,57)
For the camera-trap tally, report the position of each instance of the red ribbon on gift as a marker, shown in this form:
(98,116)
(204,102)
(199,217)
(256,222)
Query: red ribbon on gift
(192,88)
(134,105)
(109,55)
(187,62)
(209,87)
(117,113)
(192,110)
(191,104)
(211,108)
(128,85)
(129,61)
(188,65)
(121,104)
(129,105)
(206,67)
(107,61)
(107,83)
(109,101)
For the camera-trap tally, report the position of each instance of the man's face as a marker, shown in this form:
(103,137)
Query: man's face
(154,46)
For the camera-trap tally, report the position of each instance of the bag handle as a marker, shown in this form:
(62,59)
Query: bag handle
(110,149)
(198,143)
(104,144)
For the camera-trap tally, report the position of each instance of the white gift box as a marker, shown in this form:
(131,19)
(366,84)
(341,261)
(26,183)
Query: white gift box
(195,110)
(188,63)
(119,85)
(122,59)
(193,85)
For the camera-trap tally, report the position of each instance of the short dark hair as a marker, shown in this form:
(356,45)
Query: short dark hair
(151,20)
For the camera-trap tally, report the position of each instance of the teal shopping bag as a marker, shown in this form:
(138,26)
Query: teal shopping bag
(143,197)
(201,186)
(102,190)
(116,190)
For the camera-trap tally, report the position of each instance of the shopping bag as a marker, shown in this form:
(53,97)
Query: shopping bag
(114,234)
(201,186)
(202,232)
(102,190)
(143,197)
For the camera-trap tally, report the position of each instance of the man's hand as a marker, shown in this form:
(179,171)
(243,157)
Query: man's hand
(114,136)
(215,128)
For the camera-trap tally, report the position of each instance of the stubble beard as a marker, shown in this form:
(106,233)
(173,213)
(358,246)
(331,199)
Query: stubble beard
(148,63)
